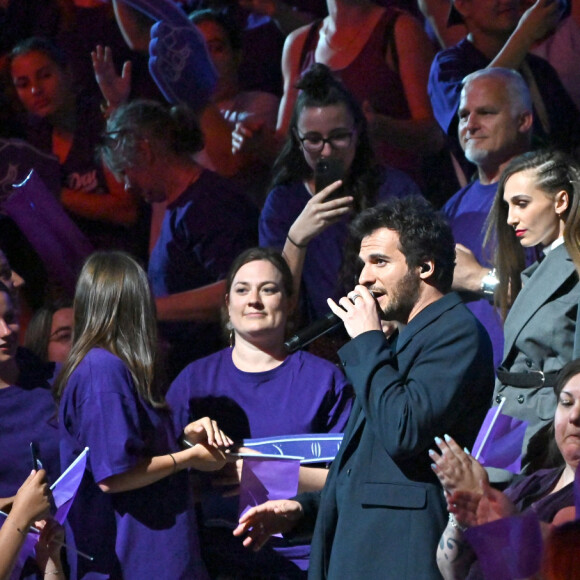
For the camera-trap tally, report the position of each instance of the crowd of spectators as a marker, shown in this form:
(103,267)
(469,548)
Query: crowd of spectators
(217,152)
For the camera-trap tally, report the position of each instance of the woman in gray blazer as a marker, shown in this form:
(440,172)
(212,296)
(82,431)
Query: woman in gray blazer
(536,205)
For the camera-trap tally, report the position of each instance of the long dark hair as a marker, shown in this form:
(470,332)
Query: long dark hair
(319,88)
(114,310)
(554,171)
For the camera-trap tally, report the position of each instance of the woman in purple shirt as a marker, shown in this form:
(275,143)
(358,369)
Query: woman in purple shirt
(133,510)
(258,390)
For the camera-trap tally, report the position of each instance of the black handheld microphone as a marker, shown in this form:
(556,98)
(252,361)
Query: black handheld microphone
(313,331)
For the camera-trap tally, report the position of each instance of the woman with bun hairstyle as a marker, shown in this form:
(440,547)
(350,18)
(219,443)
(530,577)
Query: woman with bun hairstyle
(327,125)
(206,221)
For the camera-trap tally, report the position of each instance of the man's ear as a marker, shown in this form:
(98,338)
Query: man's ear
(525,122)
(426,269)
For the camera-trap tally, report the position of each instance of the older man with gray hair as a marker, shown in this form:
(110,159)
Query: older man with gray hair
(495,125)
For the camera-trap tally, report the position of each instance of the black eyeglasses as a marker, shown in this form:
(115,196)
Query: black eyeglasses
(315,143)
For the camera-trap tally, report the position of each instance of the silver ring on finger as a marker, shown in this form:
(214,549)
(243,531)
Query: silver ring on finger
(354,297)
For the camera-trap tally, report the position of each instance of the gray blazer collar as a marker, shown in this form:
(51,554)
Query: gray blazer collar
(541,280)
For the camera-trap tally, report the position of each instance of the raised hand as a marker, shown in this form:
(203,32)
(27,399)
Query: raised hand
(114,88)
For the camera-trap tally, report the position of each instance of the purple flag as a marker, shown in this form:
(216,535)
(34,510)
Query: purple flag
(508,548)
(60,244)
(64,489)
(266,477)
(500,440)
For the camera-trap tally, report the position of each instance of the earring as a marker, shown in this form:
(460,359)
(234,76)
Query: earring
(230,327)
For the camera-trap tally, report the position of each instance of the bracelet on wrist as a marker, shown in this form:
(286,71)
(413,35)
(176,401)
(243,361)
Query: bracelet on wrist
(54,573)
(455,524)
(19,530)
(489,283)
(174,463)
(300,246)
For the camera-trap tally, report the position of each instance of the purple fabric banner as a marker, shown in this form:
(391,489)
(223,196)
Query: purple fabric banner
(311,447)
(264,478)
(499,442)
(58,241)
(509,548)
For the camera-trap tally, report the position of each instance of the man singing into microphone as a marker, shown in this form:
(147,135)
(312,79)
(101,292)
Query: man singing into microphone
(382,510)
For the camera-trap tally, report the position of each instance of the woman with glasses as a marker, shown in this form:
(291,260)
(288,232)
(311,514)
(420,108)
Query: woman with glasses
(328,127)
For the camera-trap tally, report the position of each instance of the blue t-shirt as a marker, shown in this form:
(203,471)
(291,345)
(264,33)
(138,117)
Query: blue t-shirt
(202,232)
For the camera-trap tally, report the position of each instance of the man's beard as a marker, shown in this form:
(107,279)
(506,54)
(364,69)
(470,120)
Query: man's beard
(403,298)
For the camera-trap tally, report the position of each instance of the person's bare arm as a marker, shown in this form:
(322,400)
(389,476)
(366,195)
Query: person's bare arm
(206,454)
(421,132)
(311,478)
(134,26)
(116,206)
(537,21)
(454,554)
(317,215)
(200,304)
(290,73)
(469,273)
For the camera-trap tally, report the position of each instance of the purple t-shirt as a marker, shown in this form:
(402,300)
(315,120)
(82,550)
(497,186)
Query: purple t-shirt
(466,212)
(320,275)
(202,232)
(149,532)
(305,394)
(28,415)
